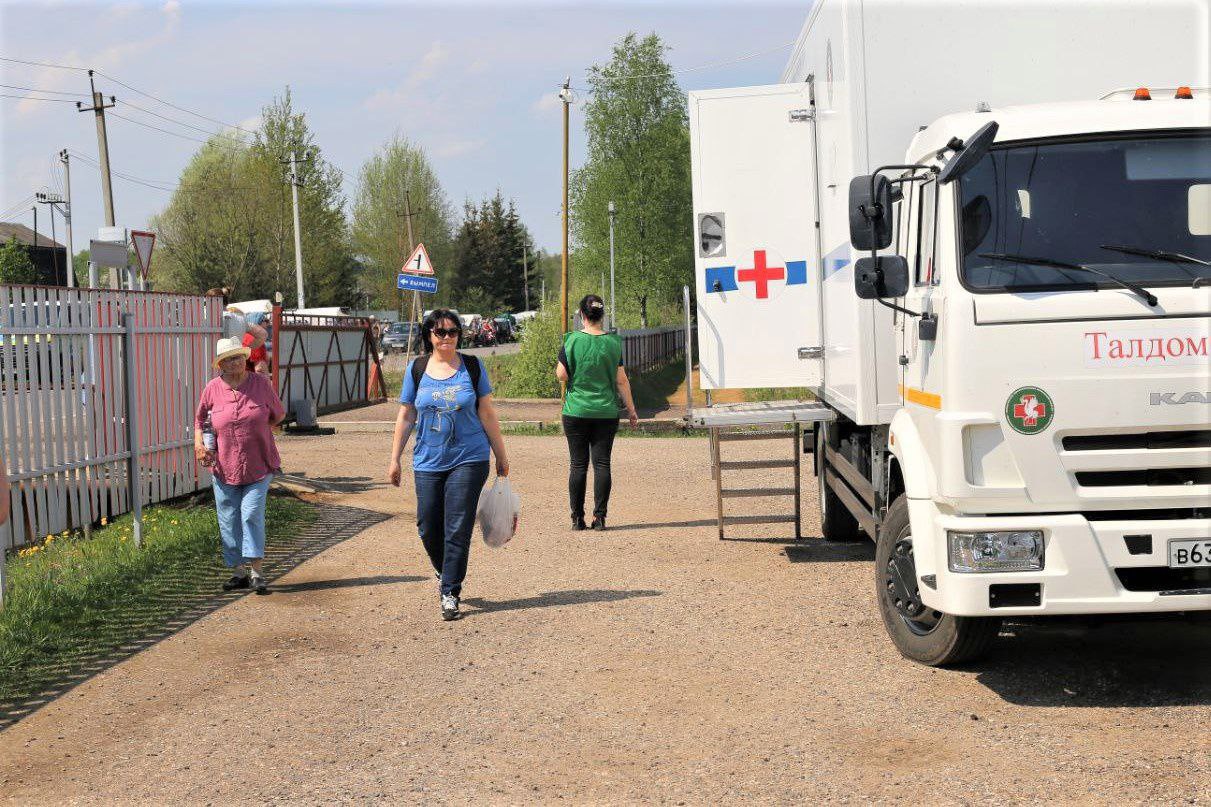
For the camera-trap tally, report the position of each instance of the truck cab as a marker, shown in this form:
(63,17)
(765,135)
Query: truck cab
(1050,303)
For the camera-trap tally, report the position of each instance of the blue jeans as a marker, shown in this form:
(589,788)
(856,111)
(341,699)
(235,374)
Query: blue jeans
(445,515)
(242,519)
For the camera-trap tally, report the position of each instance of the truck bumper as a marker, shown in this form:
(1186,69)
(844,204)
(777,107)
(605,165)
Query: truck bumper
(1089,566)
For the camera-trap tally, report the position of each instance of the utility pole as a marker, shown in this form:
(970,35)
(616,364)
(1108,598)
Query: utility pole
(415,294)
(53,200)
(295,182)
(565,95)
(71,256)
(613,310)
(98,109)
(35,209)
(525,271)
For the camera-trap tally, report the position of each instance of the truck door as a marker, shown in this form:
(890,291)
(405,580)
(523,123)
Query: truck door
(916,240)
(757,264)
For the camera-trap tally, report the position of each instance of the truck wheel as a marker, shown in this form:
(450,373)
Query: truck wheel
(919,632)
(836,523)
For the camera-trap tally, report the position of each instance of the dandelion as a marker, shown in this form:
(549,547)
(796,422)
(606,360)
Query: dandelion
(104,521)
(173,522)
(122,539)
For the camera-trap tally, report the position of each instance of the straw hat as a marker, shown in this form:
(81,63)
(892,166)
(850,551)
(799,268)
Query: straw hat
(226,348)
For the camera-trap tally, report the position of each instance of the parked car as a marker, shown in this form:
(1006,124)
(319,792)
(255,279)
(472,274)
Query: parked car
(399,335)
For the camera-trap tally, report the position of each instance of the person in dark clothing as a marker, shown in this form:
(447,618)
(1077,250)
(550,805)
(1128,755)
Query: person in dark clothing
(590,363)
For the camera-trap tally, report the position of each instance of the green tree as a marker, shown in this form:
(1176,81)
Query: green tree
(230,221)
(15,264)
(380,235)
(639,158)
(488,258)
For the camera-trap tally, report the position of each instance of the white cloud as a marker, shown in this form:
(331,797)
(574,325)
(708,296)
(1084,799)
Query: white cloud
(546,103)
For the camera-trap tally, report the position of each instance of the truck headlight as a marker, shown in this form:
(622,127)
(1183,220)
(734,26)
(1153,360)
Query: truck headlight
(1017,551)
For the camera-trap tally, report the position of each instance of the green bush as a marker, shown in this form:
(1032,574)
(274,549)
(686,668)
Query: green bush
(532,374)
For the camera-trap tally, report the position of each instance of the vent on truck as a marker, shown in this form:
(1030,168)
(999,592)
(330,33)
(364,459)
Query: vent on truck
(1190,438)
(1151,477)
(1163,579)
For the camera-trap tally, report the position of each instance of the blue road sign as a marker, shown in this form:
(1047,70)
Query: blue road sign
(415,283)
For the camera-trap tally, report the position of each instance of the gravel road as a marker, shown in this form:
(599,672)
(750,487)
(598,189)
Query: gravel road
(651,663)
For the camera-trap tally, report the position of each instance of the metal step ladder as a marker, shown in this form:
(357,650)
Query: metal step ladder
(731,434)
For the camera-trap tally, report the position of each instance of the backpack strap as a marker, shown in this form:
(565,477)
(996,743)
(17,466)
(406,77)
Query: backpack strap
(475,370)
(418,370)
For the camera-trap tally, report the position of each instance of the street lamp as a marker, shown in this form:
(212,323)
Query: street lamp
(613,310)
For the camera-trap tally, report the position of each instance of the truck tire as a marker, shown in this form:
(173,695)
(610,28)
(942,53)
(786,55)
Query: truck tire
(919,632)
(837,524)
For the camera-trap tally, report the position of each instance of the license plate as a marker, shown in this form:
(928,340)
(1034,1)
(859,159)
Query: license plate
(1190,554)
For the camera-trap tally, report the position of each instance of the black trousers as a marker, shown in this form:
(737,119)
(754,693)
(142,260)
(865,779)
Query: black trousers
(589,438)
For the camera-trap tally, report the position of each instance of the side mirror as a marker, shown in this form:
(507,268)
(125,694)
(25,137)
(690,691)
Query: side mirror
(969,153)
(885,276)
(870,221)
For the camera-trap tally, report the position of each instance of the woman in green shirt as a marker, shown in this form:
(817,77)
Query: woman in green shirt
(590,363)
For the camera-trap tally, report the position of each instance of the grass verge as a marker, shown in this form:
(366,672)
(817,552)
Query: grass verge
(70,600)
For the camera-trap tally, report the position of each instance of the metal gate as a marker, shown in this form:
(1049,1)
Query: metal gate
(332,361)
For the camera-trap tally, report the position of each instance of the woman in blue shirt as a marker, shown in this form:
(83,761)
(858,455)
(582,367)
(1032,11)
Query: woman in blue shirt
(447,400)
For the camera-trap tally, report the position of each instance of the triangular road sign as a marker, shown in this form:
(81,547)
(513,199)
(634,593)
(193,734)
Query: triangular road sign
(418,262)
(143,242)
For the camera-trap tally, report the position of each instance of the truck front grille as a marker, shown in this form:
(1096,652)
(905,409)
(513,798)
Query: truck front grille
(1188,438)
(1163,579)
(1144,476)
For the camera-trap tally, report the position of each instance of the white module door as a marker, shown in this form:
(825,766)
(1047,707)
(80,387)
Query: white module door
(757,264)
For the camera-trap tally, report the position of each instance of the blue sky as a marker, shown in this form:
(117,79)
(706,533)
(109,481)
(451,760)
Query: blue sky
(473,84)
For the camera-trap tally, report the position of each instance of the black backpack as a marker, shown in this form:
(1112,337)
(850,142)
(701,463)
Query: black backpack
(474,369)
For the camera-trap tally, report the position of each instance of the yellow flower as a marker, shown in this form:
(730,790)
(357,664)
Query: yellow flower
(174,521)
(65,533)
(122,539)
(50,538)
(104,521)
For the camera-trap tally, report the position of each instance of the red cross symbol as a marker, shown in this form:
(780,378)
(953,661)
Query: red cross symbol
(1029,410)
(761,274)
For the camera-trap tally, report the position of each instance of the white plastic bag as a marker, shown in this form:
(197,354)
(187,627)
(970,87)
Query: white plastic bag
(499,508)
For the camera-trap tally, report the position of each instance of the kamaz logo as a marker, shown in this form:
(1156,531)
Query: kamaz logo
(1158,398)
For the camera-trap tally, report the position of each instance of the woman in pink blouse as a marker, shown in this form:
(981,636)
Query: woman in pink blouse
(242,408)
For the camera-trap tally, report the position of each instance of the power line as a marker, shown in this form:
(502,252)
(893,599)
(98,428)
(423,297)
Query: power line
(41,64)
(46,92)
(167,132)
(32,98)
(151,183)
(237,138)
(174,106)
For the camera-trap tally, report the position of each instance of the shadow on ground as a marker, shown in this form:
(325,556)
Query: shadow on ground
(817,550)
(183,600)
(554,598)
(346,582)
(1110,662)
(331,484)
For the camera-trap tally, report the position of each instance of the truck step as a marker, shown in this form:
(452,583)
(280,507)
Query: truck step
(728,437)
(737,493)
(758,519)
(739,465)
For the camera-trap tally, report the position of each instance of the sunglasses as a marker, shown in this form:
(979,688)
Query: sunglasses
(442,333)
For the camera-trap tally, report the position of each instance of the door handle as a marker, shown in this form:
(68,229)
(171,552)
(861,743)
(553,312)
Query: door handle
(816,352)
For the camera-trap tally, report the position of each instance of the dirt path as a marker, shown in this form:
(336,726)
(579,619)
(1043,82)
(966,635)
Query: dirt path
(651,663)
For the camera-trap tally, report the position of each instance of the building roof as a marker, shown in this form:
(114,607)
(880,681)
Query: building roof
(25,235)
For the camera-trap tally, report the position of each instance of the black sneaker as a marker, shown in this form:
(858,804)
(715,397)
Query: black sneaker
(259,583)
(450,610)
(599,523)
(578,523)
(237,581)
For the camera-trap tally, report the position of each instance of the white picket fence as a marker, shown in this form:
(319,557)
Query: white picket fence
(85,375)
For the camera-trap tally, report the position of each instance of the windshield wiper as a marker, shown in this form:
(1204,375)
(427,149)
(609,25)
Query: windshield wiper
(1140,291)
(1159,254)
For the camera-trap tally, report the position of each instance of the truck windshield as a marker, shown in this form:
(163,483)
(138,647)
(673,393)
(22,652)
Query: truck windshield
(1137,208)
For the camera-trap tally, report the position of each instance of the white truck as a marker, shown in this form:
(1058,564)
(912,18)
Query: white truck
(992,266)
